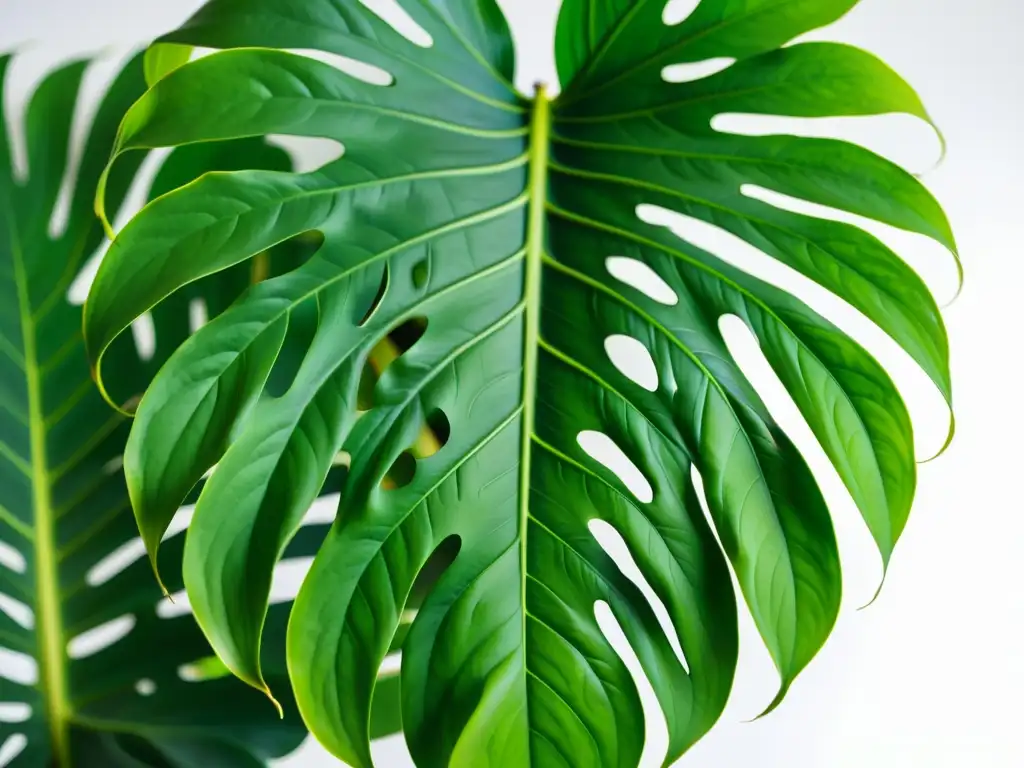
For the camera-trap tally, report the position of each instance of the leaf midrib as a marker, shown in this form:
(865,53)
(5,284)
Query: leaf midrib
(50,629)
(537,193)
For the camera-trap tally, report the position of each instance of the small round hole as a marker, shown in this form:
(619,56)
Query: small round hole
(421,273)
(439,430)
(401,472)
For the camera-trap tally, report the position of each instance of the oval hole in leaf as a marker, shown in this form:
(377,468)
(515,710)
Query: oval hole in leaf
(177,605)
(421,273)
(18,611)
(197,314)
(638,275)
(144,334)
(13,746)
(11,558)
(115,562)
(18,667)
(360,70)
(401,472)
(615,546)
(145,687)
(690,71)
(308,153)
(94,640)
(14,712)
(391,12)
(435,435)
(655,724)
(605,451)
(375,302)
(79,288)
(677,11)
(633,360)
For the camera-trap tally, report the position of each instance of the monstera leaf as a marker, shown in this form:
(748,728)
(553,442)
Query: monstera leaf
(65,516)
(495,240)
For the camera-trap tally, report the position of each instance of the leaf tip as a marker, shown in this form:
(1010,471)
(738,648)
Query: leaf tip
(878,592)
(277,705)
(783,690)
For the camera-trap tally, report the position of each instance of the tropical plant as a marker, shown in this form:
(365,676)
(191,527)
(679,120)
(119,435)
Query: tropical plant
(92,676)
(487,231)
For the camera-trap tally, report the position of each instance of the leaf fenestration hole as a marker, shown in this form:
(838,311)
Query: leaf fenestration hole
(94,640)
(18,667)
(144,334)
(115,562)
(11,558)
(437,563)
(308,153)
(897,137)
(392,13)
(633,360)
(197,314)
(14,712)
(397,342)
(401,472)
(382,289)
(113,466)
(605,451)
(13,746)
(18,611)
(421,273)
(435,435)
(638,275)
(178,605)
(615,546)
(79,288)
(360,70)
(145,687)
(655,724)
(691,71)
(702,500)
(677,11)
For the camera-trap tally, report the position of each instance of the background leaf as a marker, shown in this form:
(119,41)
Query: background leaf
(65,515)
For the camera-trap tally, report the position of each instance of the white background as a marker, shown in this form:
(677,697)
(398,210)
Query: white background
(930,676)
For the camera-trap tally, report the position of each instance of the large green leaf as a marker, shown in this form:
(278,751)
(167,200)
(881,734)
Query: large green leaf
(65,516)
(484,221)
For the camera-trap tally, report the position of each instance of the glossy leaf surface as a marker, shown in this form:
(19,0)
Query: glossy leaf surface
(477,225)
(65,515)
